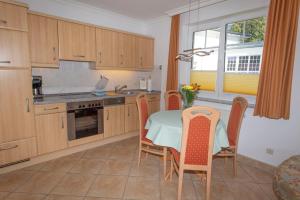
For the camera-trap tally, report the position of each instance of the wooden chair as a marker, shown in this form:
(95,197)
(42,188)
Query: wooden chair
(239,106)
(145,144)
(173,100)
(199,125)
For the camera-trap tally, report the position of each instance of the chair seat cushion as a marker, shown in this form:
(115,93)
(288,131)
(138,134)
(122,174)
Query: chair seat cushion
(175,154)
(144,139)
(287,179)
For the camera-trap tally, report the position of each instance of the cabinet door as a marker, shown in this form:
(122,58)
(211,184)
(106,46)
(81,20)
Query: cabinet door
(154,106)
(113,121)
(51,132)
(131,118)
(107,48)
(127,44)
(76,42)
(145,53)
(16,116)
(13,17)
(43,39)
(14,51)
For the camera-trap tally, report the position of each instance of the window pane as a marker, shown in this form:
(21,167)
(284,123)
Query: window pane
(204,68)
(244,47)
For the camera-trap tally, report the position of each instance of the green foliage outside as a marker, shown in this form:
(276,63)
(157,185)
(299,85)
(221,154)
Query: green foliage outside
(254,29)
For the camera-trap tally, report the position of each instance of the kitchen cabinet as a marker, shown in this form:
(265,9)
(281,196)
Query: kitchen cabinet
(76,41)
(127,50)
(51,128)
(17,150)
(145,52)
(43,39)
(113,120)
(131,118)
(154,103)
(107,48)
(13,16)
(14,52)
(16,116)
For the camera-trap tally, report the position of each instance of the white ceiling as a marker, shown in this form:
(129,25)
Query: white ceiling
(140,9)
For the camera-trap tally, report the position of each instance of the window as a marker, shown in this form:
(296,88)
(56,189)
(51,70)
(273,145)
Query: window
(234,68)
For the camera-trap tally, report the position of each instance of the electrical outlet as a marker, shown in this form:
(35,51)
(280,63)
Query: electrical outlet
(270,151)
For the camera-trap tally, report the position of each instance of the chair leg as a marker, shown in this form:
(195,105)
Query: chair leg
(180,180)
(147,152)
(171,168)
(140,152)
(208,184)
(165,151)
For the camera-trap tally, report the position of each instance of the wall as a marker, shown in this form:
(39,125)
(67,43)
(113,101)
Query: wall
(76,76)
(257,133)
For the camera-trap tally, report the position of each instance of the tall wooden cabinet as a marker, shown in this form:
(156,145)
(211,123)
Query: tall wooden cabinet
(43,39)
(76,41)
(17,133)
(107,46)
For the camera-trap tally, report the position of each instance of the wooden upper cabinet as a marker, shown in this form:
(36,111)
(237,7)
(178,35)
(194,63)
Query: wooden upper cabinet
(16,116)
(107,48)
(127,50)
(43,39)
(76,41)
(13,16)
(145,52)
(14,52)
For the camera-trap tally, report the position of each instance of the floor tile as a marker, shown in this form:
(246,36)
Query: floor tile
(41,182)
(59,165)
(247,191)
(116,167)
(3,195)
(102,152)
(25,196)
(142,188)
(108,186)
(10,181)
(258,175)
(225,172)
(63,197)
(89,166)
(77,155)
(36,167)
(74,184)
(122,153)
(149,171)
(268,189)
(98,198)
(168,190)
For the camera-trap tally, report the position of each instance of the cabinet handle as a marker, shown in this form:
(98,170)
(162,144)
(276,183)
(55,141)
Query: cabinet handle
(55,108)
(107,118)
(141,61)
(100,57)
(80,56)
(8,148)
(3,21)
(62,123)
(27,105)
(54,53)
(6,61)
(121,59)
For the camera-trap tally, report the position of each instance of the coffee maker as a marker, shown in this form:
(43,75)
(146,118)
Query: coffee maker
(37,87)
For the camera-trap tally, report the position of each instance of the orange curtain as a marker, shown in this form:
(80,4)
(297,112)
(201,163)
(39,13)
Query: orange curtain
(172,74)
(275,82)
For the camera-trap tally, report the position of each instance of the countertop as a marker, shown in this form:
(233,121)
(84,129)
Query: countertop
(87,96)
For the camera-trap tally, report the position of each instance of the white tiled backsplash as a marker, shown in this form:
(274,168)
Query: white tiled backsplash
(78,77)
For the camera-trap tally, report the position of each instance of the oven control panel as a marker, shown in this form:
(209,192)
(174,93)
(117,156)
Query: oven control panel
(84,105)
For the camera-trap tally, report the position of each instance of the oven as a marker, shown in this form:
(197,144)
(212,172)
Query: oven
(85,119)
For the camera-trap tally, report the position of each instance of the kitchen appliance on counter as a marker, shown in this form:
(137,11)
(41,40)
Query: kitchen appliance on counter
(84,118)
(37,82)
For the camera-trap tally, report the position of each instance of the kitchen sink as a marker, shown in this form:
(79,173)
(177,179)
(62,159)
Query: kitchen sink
(128,92)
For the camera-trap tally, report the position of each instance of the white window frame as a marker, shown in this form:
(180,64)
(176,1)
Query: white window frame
(219,94)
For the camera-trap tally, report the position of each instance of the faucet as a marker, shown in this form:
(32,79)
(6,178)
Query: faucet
(118,88)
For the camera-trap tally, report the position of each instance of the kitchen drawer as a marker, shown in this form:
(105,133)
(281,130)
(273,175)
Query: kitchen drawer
(154,97)
(17,150)
(130,100)
(50,108)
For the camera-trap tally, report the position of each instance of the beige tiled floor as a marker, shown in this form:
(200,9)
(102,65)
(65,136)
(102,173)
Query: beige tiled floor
(111,172)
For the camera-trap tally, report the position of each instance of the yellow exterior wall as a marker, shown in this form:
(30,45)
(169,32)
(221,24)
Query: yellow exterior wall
(233,83)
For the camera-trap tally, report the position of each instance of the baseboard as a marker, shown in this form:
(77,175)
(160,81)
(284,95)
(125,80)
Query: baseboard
(66,152)
(255,163)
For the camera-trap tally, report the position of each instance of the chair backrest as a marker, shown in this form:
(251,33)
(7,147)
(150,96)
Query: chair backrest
(239,106)
(143,109)
(173,100)
(199,125)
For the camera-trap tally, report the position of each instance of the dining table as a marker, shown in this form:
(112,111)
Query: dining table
(165,129)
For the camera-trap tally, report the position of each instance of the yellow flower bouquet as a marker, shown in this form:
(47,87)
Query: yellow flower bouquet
(189,94)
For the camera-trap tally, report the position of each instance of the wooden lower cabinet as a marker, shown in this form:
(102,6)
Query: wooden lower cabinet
(131,118)
(51,131)
(17,150)
(154,106)
(113,121)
